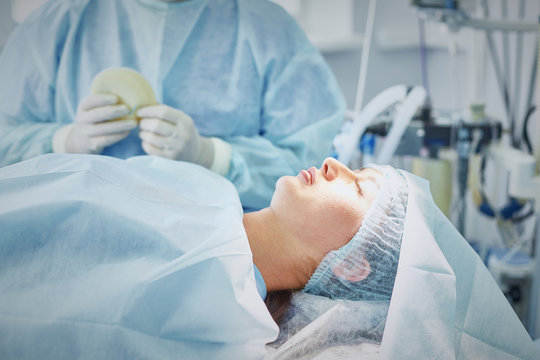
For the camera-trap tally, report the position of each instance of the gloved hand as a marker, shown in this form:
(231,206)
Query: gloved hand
(92,131)
(171,133)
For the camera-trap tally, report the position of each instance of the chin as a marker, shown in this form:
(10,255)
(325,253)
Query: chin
(285,187)
(284,182)
(281,185)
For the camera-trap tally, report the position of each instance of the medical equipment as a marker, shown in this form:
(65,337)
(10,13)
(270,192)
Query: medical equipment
(346,143)
(425,138)
(513,272)
(439,174)
(366,48)
(406,100)
(522,199)
(524,183)
(456,15)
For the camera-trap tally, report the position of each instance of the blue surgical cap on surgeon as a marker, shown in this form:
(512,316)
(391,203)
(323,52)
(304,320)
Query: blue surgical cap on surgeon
(378,241)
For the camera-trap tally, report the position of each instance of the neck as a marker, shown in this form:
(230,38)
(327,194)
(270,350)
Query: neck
(283,262)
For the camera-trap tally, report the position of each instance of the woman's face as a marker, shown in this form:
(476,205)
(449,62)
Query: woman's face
(325,207)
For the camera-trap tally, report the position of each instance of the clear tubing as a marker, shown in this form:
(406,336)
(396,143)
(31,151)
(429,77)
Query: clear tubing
(423,55)
(506,73)
(463,149)
(537,155)
(496,65)
(517,81)
(533,79)
(360,88)
(479,55)
(454,60)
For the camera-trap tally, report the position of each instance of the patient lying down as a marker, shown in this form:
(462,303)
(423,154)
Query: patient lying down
(151,258)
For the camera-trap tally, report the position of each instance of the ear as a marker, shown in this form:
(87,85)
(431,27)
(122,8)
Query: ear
(352,272)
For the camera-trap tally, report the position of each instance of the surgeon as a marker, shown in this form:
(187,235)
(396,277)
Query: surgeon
(240,89)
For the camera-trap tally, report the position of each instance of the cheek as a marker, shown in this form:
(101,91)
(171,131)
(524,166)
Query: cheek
(336,224)
(327,220)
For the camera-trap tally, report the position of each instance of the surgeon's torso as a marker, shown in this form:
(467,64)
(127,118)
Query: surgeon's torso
(207,58)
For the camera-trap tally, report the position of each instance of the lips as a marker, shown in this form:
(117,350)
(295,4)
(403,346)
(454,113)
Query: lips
(306,175)
(313,173)
(309,175)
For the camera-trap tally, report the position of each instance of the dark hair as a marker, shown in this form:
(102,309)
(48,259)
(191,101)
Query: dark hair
(278,302)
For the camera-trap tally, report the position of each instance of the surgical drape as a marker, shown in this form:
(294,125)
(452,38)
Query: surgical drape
(242,69)
(445,303)
(103,258)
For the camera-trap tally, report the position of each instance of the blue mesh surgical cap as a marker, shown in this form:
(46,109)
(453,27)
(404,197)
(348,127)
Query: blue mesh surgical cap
(378,241)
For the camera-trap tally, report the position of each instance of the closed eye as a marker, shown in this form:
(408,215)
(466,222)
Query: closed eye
(359,186)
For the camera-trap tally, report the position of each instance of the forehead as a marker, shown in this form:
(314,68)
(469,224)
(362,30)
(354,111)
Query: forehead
(369,174)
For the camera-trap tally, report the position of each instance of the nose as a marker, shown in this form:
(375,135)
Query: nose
(332,169)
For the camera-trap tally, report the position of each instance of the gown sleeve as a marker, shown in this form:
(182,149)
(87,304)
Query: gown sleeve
(28,70)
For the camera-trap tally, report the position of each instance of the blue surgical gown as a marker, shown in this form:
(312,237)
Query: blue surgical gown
(145,258)
(242,69)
